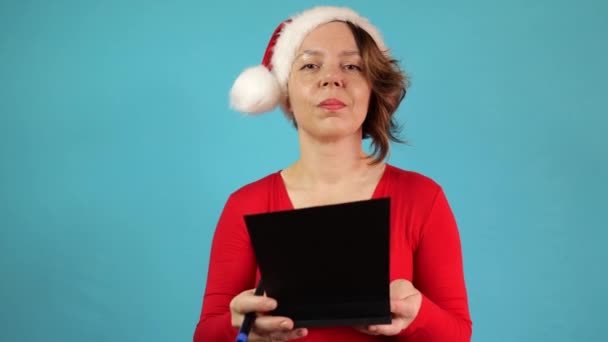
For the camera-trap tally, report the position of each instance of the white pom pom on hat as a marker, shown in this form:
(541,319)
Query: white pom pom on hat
(262,88)
(255,91)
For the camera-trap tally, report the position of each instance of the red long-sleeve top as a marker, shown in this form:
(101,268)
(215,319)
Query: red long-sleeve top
(424,249)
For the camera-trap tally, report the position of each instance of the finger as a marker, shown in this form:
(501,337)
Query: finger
(396,326)
(248,302)
(269,324)
(289,335)
(255,337)
(365,330)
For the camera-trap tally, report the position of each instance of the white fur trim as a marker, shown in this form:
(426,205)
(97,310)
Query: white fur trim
(255,91)
(295,31)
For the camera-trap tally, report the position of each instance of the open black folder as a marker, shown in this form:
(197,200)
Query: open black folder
(326,265)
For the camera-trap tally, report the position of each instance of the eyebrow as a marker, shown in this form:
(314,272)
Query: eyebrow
(346,53)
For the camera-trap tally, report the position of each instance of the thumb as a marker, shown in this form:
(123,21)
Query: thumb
(401,288)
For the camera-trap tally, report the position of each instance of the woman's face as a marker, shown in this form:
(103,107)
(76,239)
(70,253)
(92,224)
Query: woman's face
(328,93)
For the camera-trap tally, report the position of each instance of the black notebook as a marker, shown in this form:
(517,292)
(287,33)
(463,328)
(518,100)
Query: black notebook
(326,265)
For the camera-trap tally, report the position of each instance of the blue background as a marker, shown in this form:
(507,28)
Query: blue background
(118,151)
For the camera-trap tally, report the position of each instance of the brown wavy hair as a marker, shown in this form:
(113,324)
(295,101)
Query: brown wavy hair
(389,85)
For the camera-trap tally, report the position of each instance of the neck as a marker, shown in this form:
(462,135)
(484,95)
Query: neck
(324,163)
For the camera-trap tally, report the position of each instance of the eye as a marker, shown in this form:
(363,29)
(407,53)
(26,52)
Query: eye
(308,66)
(352,67)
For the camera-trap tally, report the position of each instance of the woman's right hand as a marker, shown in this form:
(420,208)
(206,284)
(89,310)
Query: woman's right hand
(265,328)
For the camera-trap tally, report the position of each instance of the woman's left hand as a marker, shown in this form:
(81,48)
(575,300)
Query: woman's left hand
(405,304)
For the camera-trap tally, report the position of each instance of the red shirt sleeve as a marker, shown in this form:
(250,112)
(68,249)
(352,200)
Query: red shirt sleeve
(231,271)
(438,275)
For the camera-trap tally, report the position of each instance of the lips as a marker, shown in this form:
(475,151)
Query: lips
(332,104)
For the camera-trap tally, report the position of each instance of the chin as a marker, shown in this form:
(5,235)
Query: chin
(336,133)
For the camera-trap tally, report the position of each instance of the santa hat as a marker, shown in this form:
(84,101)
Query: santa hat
(261,88)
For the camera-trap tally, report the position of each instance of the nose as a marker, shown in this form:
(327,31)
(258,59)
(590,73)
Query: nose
(332,78)
(335,83)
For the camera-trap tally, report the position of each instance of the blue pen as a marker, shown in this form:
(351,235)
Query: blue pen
(249,318)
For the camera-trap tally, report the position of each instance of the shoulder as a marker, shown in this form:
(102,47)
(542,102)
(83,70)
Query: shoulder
(410,189)
(254,196)
(256,187)
(416,194)
(412,182)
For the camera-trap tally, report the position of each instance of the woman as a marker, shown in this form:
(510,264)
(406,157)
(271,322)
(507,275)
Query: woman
(329,71)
